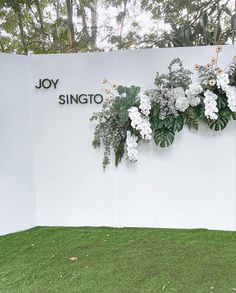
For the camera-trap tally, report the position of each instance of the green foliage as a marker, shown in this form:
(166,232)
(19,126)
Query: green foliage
(119,153)
(54,27)
(224,114)
(232,72)
(127,98)
(164,130)
(178,123)
(171,107)
(191,23)
(177,76)
(163,137)
(191,118)
(113,123)
(154,115)
(168,86)
(218,124)
(131,92)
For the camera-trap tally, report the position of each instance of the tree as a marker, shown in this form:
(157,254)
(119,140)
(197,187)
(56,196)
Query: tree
(69,6)
(60,26)
(191,23)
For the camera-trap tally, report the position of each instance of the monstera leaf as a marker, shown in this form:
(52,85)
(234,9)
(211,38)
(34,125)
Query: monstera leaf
(218,124)
(163,137)
(178,123)
(222,102)
(164,123)
(174,124)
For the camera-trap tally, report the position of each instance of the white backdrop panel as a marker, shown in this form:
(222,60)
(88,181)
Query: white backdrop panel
(191,184)
(16,151)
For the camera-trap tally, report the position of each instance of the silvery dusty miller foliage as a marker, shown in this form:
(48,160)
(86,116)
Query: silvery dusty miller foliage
(176,78)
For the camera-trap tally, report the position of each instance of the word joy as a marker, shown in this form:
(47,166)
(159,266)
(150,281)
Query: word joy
(47,83)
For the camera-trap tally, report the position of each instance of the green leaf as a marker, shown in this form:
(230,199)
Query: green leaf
(134,91)
(154,115)
(163,137)
(121,89)
(222,102)
(123,117)
(226,113)
(218,124)
(131,92)
(165,123)
(191,119)
(201,113)
(96,143)
(191,123)
(174,124)
(178,123)
(119,154)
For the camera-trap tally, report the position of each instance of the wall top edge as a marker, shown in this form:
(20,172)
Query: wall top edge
(117,52)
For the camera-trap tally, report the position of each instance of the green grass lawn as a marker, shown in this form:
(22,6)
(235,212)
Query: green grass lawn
(117,260)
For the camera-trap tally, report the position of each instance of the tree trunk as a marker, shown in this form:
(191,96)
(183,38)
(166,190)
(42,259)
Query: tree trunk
(94,25)
(234,23)
(2,47)
(69,6)
(41,23)
(56,35)
(122,22)
(22,34)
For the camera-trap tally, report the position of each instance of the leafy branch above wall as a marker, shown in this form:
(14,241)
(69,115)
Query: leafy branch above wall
(129,116)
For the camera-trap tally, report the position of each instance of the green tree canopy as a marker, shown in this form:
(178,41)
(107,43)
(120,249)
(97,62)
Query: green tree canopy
(59,26)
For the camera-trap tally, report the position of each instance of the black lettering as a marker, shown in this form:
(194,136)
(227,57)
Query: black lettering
(75,99)
(40,84)
(47,81)
(98,99)
(91,98)
(62,100)
(54,83)
(84,101)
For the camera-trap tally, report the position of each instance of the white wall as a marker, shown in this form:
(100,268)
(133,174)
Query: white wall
(191,184)
(51,175)
(16,152)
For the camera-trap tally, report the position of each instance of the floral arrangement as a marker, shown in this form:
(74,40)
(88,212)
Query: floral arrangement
(129,116)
